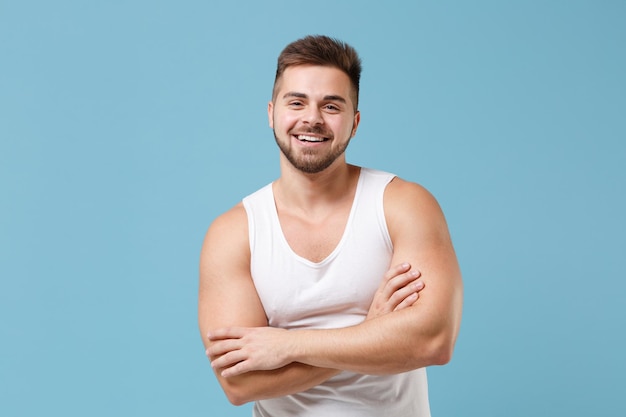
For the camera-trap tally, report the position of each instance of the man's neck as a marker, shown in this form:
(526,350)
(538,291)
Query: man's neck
(318,192)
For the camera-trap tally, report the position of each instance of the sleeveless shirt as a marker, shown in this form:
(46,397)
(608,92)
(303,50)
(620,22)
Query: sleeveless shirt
(297,293)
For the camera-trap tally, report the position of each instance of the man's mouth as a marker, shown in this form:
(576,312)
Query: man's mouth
(307,138)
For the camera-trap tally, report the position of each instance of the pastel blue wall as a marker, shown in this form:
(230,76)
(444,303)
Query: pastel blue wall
(127,126)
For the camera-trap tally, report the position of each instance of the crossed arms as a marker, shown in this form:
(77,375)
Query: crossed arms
(401,332)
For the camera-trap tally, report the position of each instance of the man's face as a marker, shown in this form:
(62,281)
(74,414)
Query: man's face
(313,116)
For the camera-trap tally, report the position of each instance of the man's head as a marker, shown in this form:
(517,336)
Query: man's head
(322,51)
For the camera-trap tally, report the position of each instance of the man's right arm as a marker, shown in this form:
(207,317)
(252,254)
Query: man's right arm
(227,297)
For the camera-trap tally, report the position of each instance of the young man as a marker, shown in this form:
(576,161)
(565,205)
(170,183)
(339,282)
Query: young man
(308,299)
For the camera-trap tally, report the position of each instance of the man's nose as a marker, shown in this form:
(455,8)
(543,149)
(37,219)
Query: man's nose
(313,116)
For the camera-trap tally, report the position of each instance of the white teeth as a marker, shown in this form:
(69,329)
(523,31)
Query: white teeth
(310,138)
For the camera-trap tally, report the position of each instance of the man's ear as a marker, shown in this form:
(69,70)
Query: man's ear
(270,114)
(355,125)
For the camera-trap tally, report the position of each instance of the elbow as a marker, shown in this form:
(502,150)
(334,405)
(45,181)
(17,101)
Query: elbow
(441,343)
(441,349)
(236,394)
(236,397)
(442,355)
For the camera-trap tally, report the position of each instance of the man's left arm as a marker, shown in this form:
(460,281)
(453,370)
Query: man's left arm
(421,335)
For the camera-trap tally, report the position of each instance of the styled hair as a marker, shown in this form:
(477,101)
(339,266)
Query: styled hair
(324,51)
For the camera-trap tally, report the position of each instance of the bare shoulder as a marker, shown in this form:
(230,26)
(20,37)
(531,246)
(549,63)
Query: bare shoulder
(234,219)
(408,203)
(228,234)
(400,190)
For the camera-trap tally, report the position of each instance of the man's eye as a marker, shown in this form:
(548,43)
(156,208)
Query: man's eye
(295,103)
(331,107)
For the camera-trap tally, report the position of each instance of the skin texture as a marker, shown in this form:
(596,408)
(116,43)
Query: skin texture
(418,312)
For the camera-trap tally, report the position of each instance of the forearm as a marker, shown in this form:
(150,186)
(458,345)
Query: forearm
(259,385)
(389,344)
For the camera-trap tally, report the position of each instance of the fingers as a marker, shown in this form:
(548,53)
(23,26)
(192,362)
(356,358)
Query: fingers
(396,270)
(227,356)
(225,340)
(407,302)
(402,279)
(228,360)
(406,295)
(222,347)
(227,333)
(238,369)
(398,289)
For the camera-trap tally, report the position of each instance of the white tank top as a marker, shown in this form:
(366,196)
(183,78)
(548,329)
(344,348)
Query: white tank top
(336,292)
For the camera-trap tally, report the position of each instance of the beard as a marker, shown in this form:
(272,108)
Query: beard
(310,161)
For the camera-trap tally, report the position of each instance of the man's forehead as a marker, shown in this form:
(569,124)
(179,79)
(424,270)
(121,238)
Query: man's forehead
(300,70)
(322,79)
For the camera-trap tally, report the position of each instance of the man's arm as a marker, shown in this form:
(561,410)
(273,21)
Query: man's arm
(421,335)
(227,297)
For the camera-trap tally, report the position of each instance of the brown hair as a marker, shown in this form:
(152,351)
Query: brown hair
(325,51)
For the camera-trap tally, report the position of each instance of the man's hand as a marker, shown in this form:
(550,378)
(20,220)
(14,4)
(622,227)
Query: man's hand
(399,289)
(237,350)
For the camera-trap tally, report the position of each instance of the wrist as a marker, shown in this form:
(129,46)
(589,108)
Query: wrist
(299,346)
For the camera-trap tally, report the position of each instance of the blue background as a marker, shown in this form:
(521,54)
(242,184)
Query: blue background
(126,127)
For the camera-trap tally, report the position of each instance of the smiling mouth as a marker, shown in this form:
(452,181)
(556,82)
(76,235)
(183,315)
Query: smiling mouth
(307,138)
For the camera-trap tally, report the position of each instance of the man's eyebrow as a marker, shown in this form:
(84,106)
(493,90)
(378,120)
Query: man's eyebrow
(291,94)
(332,97)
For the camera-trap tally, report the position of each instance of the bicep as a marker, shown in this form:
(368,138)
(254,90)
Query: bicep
(227,295)
(420,237)
(442,295)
